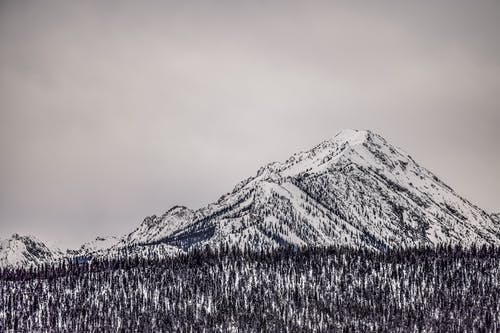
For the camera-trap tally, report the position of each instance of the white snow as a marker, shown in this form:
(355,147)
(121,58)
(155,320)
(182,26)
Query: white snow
(354,189)
(26,250)
(350,136)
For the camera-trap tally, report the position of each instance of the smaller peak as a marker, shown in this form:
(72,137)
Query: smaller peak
(177,209)
(16,236)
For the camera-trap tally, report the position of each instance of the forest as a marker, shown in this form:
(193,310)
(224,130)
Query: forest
(328,289)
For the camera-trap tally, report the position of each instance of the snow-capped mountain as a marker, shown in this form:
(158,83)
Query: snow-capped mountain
(142,241)
(121,246)
(18,251)
(155,228)
(97,245)
(354,189)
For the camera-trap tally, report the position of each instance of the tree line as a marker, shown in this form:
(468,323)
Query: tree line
(340,289)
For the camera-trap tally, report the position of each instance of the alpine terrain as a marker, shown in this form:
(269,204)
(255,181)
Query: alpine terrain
(21,251)
(350,236)
(354,190)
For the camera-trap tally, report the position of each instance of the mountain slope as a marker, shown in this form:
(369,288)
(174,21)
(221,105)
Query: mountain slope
(354,189)
(18,251)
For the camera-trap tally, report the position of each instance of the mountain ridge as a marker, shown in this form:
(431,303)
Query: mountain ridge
(354,189)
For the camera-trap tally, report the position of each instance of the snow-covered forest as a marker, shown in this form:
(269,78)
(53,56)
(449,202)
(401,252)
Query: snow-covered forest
(312,289)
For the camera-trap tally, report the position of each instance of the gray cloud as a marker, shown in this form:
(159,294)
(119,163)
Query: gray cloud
(112,112)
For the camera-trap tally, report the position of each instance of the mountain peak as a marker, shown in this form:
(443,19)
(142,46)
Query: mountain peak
(178,209)
(98,244)
(22,238)
(349,146)
(351,136)
(154,228)
(15,236)
(354,189)
(19,250)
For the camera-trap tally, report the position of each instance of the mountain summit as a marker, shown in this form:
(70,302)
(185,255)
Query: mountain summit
(19,251)
(354,189)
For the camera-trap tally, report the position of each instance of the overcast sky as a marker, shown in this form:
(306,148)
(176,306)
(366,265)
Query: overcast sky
(111,111)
